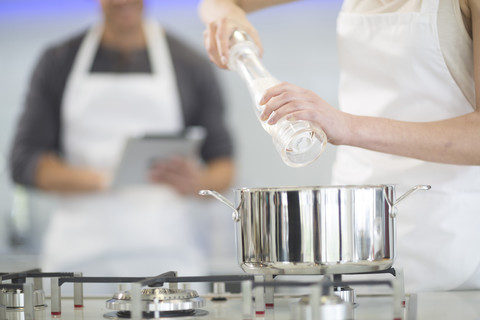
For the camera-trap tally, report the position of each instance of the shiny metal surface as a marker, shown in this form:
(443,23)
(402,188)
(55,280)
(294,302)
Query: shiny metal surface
(328,307)
(13,302)
(16,299)
(158,299)
(196,314)
(463,305)
(347,294)
(3,312)
(159,293)
(19,314)
(315,230)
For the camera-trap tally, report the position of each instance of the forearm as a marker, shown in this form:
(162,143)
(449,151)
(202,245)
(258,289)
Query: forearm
(53,174)
(218,175)
(211,10)
(451,141)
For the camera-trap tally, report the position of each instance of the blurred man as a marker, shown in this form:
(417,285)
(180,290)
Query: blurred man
(124,77)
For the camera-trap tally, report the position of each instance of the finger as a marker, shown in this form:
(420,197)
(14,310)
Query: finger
(156,173)
(222,37)
(277,90)
(180,182)
(293,110)
(211,44)
(276,97)
(180,164)
(167,176)
(207,43)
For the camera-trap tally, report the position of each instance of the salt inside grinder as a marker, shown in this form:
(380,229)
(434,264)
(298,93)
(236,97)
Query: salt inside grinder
(299,142)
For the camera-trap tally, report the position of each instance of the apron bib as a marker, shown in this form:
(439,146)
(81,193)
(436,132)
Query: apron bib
(392,67)
(141,230)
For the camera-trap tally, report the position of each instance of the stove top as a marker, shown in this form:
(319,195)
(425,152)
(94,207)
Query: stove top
(168,296)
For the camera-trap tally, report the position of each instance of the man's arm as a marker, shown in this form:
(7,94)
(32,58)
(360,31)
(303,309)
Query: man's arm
(35,157)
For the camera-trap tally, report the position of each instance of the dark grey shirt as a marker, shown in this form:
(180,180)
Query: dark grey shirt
(39,128)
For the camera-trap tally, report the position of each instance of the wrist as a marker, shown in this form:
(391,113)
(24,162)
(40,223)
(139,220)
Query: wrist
(211,11)
(352,130)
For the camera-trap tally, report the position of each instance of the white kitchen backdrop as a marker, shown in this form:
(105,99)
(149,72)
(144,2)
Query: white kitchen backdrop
(300,47)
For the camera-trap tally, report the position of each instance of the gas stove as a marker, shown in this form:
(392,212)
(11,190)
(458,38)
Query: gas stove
(169,296)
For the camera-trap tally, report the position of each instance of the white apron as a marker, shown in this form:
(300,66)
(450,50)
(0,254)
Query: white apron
(134,231)
(392,67)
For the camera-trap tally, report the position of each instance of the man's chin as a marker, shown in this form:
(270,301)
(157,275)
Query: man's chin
(128,16)
(126,23)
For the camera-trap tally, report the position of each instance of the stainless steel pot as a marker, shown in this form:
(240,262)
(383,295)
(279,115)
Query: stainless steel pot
(315,230)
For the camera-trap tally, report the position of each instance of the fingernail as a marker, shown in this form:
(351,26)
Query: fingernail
(224,60)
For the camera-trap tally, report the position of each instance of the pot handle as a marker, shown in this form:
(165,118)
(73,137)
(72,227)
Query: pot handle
(221,198)
(403,196)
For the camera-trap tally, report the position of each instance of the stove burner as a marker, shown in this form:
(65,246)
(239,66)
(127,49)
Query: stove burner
(168,294)
(162,315)
(346,293)
(326,307)
(159,299)
(15,299)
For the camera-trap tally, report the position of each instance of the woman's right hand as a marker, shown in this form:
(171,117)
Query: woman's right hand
(217,35)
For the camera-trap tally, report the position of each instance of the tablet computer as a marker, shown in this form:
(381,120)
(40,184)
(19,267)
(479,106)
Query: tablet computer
(140,153)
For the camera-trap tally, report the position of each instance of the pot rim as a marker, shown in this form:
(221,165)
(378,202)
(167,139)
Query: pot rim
(313,188)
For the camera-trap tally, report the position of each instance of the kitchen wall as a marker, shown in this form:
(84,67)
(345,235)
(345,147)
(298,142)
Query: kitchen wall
(299,42)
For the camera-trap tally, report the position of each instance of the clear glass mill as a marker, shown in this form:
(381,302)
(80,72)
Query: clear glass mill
(299,142)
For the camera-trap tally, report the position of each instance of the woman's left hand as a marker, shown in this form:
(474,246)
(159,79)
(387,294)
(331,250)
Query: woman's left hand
(295,103)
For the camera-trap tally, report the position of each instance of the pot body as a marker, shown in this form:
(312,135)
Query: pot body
(316,230)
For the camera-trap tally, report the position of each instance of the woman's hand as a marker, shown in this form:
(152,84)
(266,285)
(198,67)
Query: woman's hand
(217,35)
(222,18)
(296,103)
(426,141)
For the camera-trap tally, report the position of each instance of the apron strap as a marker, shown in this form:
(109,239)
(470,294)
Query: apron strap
(87,51)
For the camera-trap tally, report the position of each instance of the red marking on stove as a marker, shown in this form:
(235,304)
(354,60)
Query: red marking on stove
(78,305)
(397,318)
(403,303)
(56,313)
(259,312)
(269,305)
